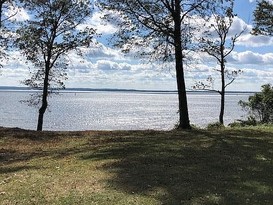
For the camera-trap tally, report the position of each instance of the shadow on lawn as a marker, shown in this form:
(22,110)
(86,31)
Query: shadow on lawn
(198,167)
(12,169)
(28,134)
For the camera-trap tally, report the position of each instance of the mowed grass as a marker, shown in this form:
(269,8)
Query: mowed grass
(229,166)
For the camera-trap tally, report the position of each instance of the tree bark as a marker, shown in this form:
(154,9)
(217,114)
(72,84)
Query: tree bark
(1,11)
(184,122)
(222,108)
(222,93)
(44,101)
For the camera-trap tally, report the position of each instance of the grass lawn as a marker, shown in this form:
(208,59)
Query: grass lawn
(229,166)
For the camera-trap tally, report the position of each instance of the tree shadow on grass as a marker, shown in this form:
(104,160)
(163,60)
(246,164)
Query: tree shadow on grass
(12,169)
(19,133)
(198,167)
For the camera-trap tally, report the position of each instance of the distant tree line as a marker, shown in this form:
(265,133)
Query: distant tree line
(168,28)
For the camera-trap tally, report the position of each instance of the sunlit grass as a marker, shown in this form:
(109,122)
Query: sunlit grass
(229,166)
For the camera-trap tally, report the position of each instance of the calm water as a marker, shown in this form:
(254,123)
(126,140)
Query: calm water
(115,110)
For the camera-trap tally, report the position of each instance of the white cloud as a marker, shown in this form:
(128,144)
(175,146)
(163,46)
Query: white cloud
(100,51)
(18,14)
(98,24)
(252,58)
(102,27)
(249,40)
(238,26)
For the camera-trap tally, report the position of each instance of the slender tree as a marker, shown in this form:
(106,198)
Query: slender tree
(163,28)
(47,38)
(260,105)
(219,43)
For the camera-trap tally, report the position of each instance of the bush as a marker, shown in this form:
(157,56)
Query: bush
(243,123)
(260,106)
(235,124)
(215,126)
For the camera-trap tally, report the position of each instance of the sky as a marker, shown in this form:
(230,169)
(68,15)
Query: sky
(103,66)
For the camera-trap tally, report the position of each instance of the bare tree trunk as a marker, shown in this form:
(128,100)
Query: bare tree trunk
(184,122)
(222,93)
(41,117)
(1,7)
(44,102)
(222,108)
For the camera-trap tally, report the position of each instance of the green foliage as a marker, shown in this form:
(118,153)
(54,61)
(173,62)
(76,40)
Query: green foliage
(215,126)
(250,121)
(260,106)
(263,16)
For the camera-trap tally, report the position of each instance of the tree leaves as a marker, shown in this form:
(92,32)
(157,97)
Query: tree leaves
(263,19)
(260,106)
(52,33)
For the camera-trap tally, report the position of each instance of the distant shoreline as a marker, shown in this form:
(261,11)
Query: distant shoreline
(76,90)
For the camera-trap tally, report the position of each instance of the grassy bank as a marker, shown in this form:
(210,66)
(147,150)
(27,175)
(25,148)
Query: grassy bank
(232,166)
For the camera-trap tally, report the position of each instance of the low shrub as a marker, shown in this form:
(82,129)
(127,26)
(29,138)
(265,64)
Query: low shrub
(250,121)
(215,125)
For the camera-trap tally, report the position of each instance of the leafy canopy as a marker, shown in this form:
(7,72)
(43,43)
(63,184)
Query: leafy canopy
(51,33)
(150,24)
(263,15)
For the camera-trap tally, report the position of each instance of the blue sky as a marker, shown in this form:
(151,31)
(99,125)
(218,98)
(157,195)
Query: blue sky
(106,67)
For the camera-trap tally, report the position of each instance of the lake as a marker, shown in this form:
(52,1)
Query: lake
(108,110)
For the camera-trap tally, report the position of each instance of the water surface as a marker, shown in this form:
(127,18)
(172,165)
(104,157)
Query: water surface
(100,110)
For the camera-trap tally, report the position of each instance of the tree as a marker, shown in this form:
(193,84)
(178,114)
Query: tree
(263,16)
(260,106)
(219,44)
(163,28)
(47,38)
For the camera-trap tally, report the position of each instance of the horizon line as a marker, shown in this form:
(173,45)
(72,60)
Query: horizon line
(24,88)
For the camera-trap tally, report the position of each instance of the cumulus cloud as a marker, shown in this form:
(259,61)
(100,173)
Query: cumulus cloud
(249,40)
(96,22)
(100,51)
(257,76)
(238,26)
(102,27)
(18,14)
(14,70)
(249,57)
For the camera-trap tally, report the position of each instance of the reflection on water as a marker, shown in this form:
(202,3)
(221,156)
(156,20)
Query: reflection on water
(115,110)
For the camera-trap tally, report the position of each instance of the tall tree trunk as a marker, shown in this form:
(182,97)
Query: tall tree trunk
(222,93)
(44,101)
(222,108)
(184,122)
(1,11)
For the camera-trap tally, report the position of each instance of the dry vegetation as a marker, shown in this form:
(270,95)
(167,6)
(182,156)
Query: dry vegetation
(230,166)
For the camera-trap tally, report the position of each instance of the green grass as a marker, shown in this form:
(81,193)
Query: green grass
(226,166)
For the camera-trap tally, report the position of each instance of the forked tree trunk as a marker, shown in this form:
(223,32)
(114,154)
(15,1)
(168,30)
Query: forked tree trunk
(184,122)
